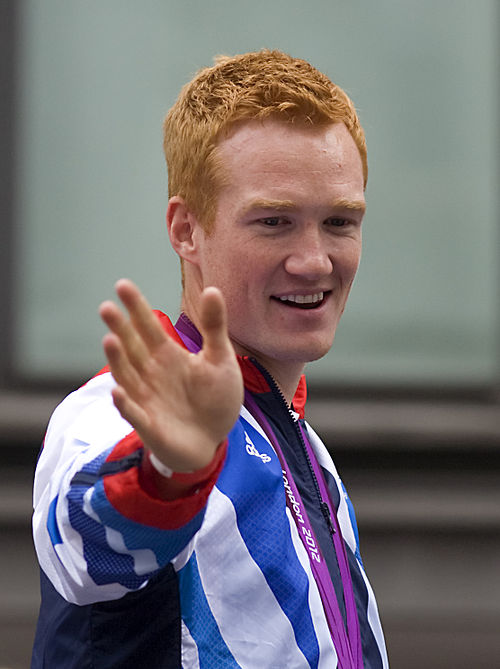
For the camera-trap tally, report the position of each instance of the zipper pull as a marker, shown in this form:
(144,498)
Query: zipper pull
(326,513)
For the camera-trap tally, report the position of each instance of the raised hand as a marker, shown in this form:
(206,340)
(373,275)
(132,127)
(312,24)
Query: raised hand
(182,405)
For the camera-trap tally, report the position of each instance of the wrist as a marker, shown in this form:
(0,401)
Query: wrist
(160,480)
(159,466)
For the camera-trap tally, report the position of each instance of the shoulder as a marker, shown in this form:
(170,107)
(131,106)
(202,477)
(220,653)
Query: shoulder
(86,409)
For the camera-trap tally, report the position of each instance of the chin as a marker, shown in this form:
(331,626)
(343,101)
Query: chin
(306,354)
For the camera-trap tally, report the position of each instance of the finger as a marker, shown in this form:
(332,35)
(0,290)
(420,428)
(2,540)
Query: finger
(122,370)
(141,314)
(213,325)
(132,343)
(130,410)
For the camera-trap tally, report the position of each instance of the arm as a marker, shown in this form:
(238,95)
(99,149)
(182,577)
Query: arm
(104,519)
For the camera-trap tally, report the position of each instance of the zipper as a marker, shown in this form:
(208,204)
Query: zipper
(276,390)
(326,513)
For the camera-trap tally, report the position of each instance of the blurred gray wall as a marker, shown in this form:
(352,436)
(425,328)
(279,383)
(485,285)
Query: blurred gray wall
(95,80)
(408,401)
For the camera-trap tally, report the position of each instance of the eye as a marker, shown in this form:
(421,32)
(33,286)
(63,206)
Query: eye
(336,222)
(273,221)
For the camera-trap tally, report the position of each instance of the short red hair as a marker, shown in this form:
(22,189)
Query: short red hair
(251,86)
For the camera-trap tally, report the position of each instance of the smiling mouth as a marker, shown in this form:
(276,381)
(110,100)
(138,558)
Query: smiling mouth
(312,301)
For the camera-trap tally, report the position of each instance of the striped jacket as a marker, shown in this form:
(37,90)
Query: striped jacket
(218,579)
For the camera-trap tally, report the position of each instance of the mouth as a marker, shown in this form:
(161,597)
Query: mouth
(311,301)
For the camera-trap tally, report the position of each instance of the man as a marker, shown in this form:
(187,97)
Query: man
(185,514)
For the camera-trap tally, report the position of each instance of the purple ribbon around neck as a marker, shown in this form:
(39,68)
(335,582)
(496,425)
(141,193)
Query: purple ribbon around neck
(347,642)
(343,561)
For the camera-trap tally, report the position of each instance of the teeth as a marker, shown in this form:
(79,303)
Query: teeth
(303,299)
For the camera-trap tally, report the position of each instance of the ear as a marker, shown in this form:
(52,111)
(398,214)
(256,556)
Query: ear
(183,229)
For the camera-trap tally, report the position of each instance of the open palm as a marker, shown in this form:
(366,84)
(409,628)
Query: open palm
(181,405)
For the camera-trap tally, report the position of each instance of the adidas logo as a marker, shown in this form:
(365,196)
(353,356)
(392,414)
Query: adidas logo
(251,450)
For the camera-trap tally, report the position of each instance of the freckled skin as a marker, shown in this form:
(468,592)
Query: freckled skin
(303,250)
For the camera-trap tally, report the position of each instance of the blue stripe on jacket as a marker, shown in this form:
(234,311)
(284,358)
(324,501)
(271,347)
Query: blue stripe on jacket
(104,564)
(213,652)
(264,527)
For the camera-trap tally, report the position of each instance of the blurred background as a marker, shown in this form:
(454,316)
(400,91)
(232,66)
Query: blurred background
(408,401)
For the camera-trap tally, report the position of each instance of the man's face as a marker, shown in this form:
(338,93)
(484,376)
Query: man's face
(286,242)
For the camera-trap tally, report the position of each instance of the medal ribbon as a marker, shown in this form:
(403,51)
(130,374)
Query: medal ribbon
(347,644)
(343,561)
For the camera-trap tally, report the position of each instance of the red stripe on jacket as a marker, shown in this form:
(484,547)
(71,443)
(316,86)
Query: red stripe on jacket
(145,496)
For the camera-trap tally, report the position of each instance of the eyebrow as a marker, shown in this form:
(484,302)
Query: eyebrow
(279,205)
(288,205)
(352,205)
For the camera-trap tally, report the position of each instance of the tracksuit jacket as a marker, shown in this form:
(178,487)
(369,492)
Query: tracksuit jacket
(217,579)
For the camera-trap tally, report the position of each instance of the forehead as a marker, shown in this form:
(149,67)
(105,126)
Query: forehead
(273,155)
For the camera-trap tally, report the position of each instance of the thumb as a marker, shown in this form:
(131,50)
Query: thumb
(213,325)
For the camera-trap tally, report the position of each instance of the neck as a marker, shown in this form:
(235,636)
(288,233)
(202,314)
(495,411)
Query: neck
(288,387)
(285,374)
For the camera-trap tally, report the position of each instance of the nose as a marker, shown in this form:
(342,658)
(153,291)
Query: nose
(309,256)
